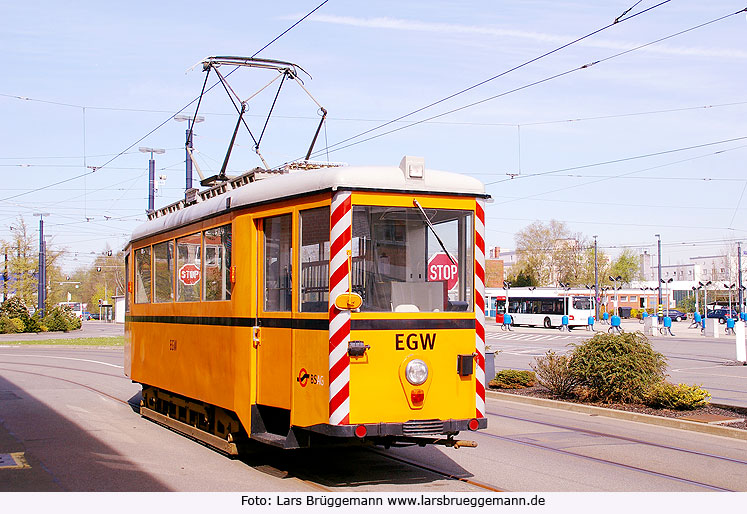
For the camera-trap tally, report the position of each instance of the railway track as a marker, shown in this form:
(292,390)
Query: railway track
(294,465)
(288,468)
(626,439)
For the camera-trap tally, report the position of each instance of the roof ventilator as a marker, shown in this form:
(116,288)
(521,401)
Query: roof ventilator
(413,167)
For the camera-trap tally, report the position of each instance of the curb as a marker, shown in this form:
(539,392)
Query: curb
(734,433)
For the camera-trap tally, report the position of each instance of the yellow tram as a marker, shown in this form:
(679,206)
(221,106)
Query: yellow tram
(301,307)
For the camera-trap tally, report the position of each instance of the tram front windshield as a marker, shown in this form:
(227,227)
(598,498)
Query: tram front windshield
(402,263)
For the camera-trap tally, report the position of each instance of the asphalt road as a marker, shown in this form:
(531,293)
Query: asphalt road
(692,358)
(69,413)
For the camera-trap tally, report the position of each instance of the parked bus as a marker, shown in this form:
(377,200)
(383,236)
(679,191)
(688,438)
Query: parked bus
(543,306)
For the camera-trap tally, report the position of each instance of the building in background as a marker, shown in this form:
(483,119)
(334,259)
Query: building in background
(494,268)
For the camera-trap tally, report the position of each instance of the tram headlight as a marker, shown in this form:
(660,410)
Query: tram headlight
(416,372)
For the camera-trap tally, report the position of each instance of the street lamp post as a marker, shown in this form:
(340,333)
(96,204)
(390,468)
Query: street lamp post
(188,144)
(604,295)
(596,282)
(740,294)
(705,299)
(730,288)
(666,288)
(151,174)
(615,281)
(591,289)
(506,286)
(644,296)
(659,252)
(697,304)
(41,295)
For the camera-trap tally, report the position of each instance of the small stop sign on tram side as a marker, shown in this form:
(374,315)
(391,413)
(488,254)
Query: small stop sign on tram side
(440,268)
(189,274)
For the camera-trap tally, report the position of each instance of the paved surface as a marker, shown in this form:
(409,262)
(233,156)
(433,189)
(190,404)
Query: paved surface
(692,358)
(64,411)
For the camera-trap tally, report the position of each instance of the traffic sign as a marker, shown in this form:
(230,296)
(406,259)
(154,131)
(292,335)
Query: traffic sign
(441,268)
(189,274)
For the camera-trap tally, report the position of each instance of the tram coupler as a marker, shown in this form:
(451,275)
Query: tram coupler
(459,443)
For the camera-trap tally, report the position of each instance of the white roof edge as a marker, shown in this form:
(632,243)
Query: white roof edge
(389,178)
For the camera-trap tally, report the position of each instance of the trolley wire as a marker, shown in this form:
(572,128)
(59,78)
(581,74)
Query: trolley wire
(632,158)
(96,168)
(335,147)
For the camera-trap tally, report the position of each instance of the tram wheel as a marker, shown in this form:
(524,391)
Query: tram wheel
(548,323)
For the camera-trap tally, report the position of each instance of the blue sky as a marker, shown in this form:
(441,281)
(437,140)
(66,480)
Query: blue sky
(83,81)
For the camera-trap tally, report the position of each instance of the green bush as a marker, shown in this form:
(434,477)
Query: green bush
(17,325)
(665,395)
(617,367)
(14,307)
(10,325)
(513,379)
(554,373)
(59,319)
(33,323)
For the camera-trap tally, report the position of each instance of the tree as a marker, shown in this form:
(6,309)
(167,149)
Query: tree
(549,253)
(100,280)
(23,263)
(55,275)
(521,278)
(586,270)
(627,266)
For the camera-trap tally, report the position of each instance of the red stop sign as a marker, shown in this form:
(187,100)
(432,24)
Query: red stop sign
(189,274)
(441,269)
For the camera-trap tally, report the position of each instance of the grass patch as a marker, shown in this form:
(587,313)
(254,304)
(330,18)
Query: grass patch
(77,341)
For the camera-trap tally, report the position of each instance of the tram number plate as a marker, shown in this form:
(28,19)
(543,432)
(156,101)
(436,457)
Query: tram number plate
(172,345)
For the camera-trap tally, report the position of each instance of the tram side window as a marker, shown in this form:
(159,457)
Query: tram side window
(188,270)
(163,272)
(314,260)
(218,263)
(277,266)
(142,275)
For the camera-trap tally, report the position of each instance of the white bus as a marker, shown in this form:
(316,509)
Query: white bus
(543,306)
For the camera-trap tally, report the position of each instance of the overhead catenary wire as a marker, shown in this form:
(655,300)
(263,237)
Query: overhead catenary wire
(632,158)
(139,140)
(375,120)
(334,147)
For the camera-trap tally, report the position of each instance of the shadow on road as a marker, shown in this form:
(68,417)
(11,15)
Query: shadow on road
(61,455)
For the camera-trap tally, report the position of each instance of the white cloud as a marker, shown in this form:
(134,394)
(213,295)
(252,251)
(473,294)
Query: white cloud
(449,28)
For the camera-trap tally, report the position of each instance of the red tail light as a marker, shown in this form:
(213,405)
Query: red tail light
(361,431)
(417,396)
(473,424)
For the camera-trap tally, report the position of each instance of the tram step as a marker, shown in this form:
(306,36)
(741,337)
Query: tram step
(271,439)
(216,442)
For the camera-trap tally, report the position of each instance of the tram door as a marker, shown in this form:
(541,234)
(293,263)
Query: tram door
(275,311)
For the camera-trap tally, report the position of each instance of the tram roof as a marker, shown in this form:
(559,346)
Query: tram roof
(244,192)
